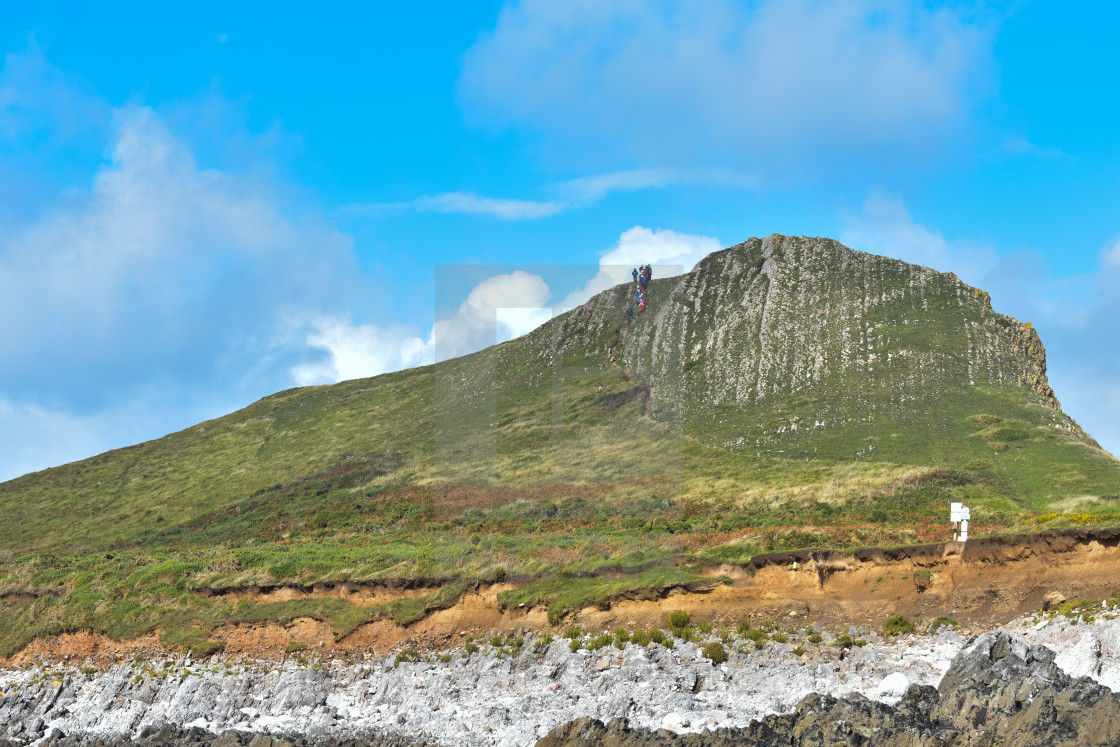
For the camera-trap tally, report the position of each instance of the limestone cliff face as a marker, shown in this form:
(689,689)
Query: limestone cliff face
(794,334)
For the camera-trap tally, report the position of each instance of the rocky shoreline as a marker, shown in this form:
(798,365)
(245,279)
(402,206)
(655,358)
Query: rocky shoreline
(998,691)
(521,694)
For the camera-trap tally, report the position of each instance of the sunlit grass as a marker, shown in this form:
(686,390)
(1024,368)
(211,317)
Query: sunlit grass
(507,465)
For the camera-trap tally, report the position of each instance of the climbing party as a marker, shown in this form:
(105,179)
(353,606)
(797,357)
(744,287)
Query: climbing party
(642,276)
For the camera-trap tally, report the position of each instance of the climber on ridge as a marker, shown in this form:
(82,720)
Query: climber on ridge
(641,275)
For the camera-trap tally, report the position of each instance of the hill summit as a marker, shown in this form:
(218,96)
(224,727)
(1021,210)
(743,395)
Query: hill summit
(802,347)
(786,393)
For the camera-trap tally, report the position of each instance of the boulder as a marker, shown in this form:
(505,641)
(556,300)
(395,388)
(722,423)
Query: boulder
(892,688)
(1052,600)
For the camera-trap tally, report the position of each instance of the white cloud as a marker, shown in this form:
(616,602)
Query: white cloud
(884,226)
(591,189)
(357,351)
(475,323)
(783,82)
(467,203)
(155,281)
(1112,255)
(575,193)
(669,252)
(37,99)
(514,322)
(472,204)
(126,302)
(1017,145)
(499,308)
(160,257)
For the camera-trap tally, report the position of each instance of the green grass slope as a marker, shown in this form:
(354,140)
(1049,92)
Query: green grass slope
(584,459)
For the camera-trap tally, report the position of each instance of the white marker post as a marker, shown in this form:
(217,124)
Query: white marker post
(959,515)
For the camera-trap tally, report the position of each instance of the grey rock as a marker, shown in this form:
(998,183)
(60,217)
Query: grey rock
(480,700)
(999,690)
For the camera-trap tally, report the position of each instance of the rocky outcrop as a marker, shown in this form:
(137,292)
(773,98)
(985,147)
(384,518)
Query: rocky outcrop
(998,690)
(798,342)
(171,735)
(491,698)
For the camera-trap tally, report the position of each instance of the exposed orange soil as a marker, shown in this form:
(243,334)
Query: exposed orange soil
(359,595)
(989,582)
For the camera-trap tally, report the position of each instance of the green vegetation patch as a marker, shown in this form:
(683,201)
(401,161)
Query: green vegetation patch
(714,652)
(897,625)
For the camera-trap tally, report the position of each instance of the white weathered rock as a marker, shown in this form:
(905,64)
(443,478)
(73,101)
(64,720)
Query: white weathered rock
(675,721)
(892,688)
(518,699)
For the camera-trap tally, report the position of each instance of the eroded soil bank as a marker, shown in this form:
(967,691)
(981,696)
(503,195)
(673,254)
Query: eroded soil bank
(982,584)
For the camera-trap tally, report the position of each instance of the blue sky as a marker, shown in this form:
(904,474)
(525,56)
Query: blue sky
(200,206)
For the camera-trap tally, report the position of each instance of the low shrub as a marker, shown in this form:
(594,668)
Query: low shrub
(407,655)
(758,635)
(679,619)
(897,625)
(715,652)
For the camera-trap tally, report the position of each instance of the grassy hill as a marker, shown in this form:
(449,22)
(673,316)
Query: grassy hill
(788,392)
